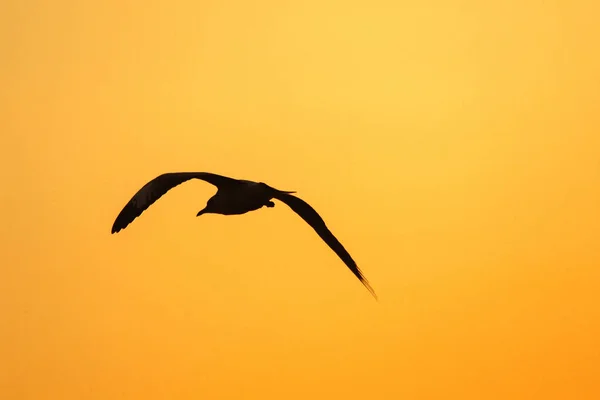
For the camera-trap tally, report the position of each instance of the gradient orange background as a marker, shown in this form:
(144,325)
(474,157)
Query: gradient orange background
(453,147)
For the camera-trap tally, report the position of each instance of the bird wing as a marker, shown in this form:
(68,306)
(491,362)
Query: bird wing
(156,188)
(308,214)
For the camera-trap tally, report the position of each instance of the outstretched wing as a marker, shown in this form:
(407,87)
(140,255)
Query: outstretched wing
(157,187)
(308,214)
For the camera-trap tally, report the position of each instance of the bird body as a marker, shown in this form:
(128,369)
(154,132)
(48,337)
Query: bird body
(234,197)
(240,198)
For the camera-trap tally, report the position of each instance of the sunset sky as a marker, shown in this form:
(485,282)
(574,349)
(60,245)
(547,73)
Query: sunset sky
(452,146)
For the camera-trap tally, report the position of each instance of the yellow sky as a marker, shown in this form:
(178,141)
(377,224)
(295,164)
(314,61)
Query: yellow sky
(453,147)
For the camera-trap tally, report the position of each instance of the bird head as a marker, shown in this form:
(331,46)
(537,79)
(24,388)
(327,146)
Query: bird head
(210,208)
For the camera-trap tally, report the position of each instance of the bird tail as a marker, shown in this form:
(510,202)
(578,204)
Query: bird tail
(281,191)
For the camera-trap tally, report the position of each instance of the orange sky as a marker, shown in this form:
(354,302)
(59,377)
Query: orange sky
(453,147)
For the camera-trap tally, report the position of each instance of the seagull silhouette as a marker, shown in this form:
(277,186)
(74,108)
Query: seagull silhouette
(234,197)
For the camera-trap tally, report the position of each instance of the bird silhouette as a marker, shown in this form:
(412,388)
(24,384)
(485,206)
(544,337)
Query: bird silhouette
(235,197)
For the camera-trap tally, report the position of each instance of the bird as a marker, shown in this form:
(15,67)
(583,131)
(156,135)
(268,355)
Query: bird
(235,197)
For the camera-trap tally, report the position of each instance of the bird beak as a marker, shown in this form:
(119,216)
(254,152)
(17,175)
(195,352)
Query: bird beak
(203,211)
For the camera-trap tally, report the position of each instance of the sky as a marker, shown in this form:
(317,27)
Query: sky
(451,146)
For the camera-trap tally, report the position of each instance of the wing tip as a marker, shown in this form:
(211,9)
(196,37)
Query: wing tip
(119,225)
(115,229)
(125,217)
(369,288)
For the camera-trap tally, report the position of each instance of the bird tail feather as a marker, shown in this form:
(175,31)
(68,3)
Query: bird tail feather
(282,191)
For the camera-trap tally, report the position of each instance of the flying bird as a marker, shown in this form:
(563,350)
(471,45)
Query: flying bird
(234,197)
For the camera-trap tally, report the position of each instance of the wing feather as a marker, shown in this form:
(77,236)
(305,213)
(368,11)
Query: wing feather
(157,187)
(308,214)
